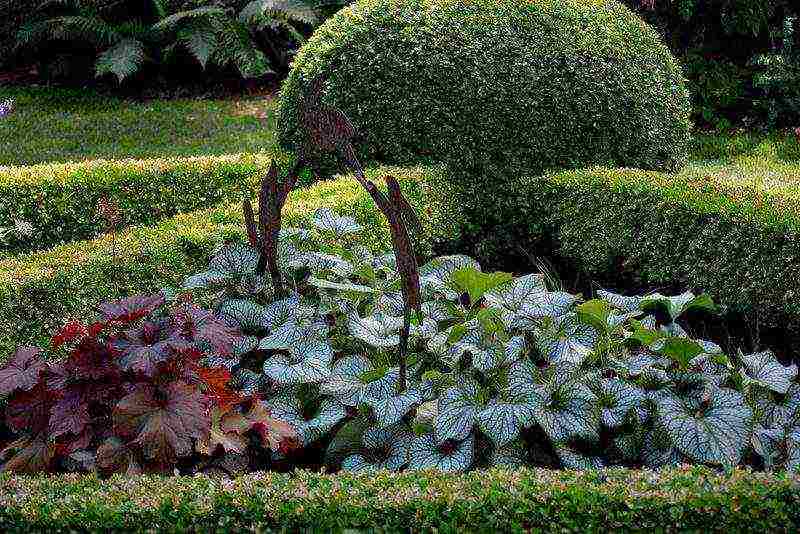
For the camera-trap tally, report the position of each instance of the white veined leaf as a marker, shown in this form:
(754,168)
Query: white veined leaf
(284,310)
(714,433)
(502,422)
(246,382)
(318,262)
(617,399)
(390,411)
(382,388)
(245,314)
(331,412)
(549,304)
(342,287)
(390,304)
(356,463)
(793,451)
(344,382)
(380,331)
(765,369)
(230,262)
(448,457)
(328,221)
(294,338)
(435,310)
(568,412)
(285,372)
(567,340)
(435,275)
(235,258)
(515,348)
(392,444)
(677,305)
(241,346)
(485,356)
(523,291)
(766,442)
(572,459)
(456,413)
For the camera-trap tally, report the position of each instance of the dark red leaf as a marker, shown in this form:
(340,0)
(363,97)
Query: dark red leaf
(275,434)
(163,421)
(29,411)
(22,372)
(71,331)
(197,324)
(132,308)
(91,360)
(141,349)
(70,414)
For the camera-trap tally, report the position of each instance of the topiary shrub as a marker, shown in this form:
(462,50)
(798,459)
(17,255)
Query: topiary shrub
(541,84)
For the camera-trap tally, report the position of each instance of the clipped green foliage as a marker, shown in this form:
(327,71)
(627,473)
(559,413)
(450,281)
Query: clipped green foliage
(732,231)
(695,499)
(65,202)
(545,84)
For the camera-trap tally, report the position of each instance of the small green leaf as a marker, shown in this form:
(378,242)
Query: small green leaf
(373,375)
(477,283)
(457,333)
(679,349)
(595,313)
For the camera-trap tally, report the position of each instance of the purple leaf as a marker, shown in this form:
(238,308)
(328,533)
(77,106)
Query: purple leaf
(22,372)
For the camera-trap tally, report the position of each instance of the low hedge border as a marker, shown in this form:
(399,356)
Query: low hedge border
(732,231)
(61,200)
(39,290)
(680,499)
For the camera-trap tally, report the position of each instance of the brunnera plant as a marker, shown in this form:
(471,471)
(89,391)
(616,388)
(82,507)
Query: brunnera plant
(130,395)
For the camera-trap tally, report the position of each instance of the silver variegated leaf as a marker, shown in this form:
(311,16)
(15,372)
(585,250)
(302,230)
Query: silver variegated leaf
(232,261)
(435,276)
(567,341)
(658,450)
(714,433)
(246,382)
(568,411)
(390,411)
(293,337)
(511,456)
(380,331)
(485,355)
(502,422)
(764,369)
(549,304)
(339,225)
(456,413)
(318,262)
(331,412)
(621,302)
(390,446)
(448,457)
(521,292)
(382,388)
(348,288)
(286,310)
(617,399)
(344,382)
(245,314)
(286,372)
(357,463)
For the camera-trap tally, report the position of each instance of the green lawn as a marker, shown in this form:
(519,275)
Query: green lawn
(56,125)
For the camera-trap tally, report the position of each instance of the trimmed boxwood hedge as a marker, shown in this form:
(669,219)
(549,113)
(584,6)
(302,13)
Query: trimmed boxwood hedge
(61,200)
(732,231)
(39,290)
(544,84)
(680,499)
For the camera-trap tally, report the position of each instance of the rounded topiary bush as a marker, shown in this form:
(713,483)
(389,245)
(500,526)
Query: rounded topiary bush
(537,84)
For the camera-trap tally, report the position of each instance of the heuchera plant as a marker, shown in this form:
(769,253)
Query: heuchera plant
(131,395)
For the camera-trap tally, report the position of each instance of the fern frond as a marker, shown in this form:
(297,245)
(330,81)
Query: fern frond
(206,12)
(236,45)
(91,29)
(293,10)
(122,60)
(200,41)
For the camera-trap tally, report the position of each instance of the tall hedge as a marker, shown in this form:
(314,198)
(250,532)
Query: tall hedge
(539,84)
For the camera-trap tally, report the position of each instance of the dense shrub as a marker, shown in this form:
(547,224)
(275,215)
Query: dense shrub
(695,499)
(552,84)
(66,202)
